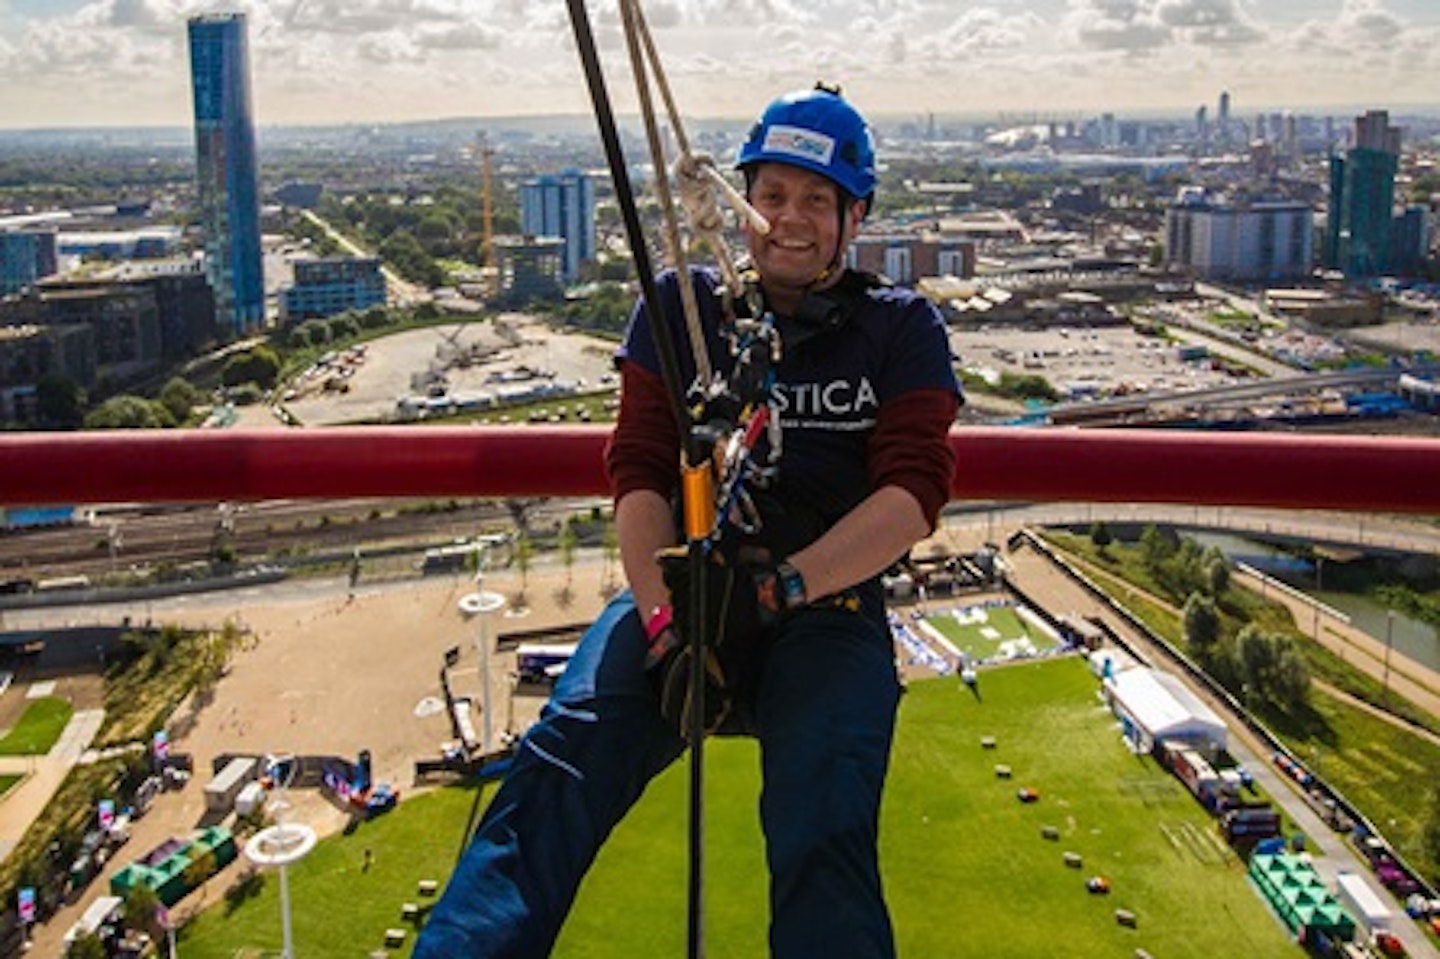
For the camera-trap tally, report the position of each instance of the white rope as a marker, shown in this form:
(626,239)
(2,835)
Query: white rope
(634,29)
(696,177)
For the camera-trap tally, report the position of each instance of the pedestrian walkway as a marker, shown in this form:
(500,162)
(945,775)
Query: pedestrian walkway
(42,776)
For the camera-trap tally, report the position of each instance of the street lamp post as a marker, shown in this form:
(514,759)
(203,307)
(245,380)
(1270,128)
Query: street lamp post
(481,555)
(482,604)
(280,845)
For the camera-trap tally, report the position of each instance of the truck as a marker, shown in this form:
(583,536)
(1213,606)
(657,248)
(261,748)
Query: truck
(542,662)
(1250,824)
(221,791)
(1363,903)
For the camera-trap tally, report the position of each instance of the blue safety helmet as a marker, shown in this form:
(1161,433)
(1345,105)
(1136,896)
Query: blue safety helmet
(817,130)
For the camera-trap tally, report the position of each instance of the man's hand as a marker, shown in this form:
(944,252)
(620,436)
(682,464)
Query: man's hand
(671,672)
(741,599)
(741,603)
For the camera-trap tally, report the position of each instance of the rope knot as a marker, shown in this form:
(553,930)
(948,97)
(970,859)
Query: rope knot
(695,182)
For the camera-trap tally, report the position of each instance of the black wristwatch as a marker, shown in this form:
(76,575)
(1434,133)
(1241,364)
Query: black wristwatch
(792,585)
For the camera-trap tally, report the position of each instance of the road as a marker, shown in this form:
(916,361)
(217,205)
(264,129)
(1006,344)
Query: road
(401,291)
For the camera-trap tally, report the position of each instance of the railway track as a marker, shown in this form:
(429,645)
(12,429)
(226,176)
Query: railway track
(148,537)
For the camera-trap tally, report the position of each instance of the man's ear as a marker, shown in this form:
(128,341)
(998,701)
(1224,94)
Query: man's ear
(854,215)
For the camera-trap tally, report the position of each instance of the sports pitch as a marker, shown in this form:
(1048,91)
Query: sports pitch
(991,632)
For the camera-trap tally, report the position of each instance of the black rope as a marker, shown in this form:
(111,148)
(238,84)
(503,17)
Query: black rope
(696,452)
(625,194)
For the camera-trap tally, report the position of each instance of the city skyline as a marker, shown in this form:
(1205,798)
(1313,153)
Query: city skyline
(76,63)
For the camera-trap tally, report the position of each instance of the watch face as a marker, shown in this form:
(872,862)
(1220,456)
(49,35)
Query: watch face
(792,584)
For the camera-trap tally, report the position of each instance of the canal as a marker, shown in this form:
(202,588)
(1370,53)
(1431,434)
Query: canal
(1417,640)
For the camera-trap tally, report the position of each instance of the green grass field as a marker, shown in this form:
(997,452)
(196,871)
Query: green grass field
(39,727)
(966,867)
(985,636)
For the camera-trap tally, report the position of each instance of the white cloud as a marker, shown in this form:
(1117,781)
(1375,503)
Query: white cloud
(392,46)
(461,36)
(983,30)
(1211,23)
(315,60)
(1130,26)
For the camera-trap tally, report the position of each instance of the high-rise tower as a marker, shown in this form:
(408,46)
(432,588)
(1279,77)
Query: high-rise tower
(1362,199)
(225,167)
(562,206)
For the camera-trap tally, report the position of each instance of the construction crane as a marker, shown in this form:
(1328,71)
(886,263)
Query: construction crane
(489,269)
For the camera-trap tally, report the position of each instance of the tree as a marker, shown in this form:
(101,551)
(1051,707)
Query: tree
(260,365)
(524,553)
(1202,627)
(1100,536)
(565,542)
(60,402)
(1217,575)
(129,412)
(1271,667)
(1290,683)
(87,945)
(200,868)
(405,253)
(344,326)
(1157,544)
(141,907)
(179,396)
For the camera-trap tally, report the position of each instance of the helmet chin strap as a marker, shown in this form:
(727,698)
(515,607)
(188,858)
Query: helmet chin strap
(837,259)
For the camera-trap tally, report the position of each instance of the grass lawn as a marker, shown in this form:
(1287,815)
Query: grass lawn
(966,867)
(39,727)
(7,783)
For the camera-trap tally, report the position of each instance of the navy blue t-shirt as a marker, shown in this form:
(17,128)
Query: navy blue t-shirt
(829,387)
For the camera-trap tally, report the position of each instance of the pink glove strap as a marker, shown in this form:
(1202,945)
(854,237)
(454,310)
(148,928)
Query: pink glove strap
(659,621)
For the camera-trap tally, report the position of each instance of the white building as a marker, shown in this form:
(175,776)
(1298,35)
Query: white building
(1257,241)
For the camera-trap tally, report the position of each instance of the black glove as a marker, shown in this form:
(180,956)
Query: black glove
(736,618)
(671,675)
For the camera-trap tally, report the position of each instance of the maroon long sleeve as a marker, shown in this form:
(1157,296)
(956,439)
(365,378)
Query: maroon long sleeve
(644,449)
(910,449)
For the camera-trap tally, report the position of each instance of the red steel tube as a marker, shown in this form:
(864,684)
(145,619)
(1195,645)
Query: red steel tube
(1310,471)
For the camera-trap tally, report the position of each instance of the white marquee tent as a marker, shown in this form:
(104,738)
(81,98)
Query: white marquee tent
(1155,706)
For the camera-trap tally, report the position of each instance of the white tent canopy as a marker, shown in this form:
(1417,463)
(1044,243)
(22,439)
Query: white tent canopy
(1162,708)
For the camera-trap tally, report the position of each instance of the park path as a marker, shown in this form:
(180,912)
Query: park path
(1407,677)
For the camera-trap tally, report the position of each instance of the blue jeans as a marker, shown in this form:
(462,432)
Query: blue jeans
(824,713)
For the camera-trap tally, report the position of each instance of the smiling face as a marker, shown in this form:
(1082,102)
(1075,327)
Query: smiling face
(807,232)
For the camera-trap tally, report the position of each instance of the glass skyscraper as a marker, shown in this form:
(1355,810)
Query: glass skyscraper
(1362,199)
(26,256)
(229,187)
(562,206)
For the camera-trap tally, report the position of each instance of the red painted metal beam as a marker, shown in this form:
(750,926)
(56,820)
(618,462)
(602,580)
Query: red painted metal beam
(1312,471)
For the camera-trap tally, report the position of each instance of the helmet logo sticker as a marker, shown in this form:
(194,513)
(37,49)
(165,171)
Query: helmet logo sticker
(799,142)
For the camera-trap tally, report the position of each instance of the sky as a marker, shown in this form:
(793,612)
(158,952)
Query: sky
(75,63)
